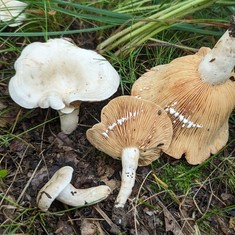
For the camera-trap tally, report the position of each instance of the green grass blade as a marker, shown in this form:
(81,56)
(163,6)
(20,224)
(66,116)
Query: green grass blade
(165,17)
(55,33)
(94,10)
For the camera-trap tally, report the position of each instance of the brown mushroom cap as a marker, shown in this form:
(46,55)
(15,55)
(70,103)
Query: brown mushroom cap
(199,111)
(130,122)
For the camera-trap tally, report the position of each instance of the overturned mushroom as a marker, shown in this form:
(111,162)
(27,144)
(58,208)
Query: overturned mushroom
(134,131)
(11,10)
(59,188)
(198,93)
(60,75)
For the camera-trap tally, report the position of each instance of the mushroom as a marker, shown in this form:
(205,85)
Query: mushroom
(11,10)
(198,93)
(60,75)
(59,188)
(134,131)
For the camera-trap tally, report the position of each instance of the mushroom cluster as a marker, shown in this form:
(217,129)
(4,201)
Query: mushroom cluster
(60,75)
(134,131)
(198,93)
(11,10)
(60,188)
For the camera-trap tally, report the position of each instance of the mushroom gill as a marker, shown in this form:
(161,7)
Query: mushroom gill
(134,131)
(127,122)
(199,110)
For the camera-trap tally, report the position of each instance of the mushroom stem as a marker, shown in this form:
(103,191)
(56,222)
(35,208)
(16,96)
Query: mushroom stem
(59,187)
(217,65)
(130,158)
(82,197)
(69,121)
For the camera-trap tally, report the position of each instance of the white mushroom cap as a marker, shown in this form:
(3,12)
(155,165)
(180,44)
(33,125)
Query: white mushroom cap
(60,75)
(10,9)
(50,191)
(59,188)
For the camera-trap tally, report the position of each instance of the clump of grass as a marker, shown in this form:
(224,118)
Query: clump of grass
(177,177)
(166,16)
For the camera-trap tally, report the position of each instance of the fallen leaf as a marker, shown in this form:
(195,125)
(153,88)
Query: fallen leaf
(5,117)
(232,223)
(64,228)
(91,227)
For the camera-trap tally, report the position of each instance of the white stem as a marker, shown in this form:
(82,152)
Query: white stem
(217,65)
(82,197)
(69,121)
(130,158)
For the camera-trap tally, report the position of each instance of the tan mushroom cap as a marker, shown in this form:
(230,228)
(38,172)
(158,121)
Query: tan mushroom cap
(130,122)
(199,111)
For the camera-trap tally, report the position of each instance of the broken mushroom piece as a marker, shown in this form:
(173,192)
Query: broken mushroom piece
(198,93)
(60,75)
(11,10)
(134,131)
(59,188)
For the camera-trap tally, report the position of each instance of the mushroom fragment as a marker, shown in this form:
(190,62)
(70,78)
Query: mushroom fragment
(60,75)
(198,93)
(134,131)
(59,188)
(11,10)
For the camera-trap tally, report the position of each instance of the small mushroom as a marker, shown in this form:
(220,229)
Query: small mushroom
(134,131)
(11,10)
(198,93)
(60,75)
(59,188)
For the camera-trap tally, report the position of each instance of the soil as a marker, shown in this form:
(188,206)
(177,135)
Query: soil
(33,157)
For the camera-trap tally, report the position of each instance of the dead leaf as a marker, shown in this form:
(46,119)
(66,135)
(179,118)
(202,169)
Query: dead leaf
(91,227)
(40,12)
(232,223)
(38,177)
(228,198)
(64,228)
(7,208)
(17,146)
(172,225)
(5,117)
(223,225)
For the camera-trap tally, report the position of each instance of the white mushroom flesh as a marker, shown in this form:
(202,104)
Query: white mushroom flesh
(54,187)
(69,121)
(130,158)
(83,197)
(59,188)
(216,67)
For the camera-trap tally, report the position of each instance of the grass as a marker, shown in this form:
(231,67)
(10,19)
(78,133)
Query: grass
(134,36)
